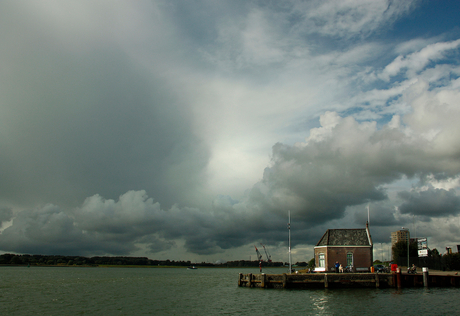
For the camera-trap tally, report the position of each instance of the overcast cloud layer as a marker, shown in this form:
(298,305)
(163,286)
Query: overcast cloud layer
(187,130)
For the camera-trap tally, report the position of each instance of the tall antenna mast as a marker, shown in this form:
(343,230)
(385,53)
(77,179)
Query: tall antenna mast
(368,216)
(289,228)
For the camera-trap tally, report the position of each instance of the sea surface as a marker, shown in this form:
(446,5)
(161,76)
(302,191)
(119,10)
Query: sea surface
(205,291)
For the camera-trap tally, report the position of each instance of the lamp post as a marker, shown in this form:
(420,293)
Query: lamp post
(408,239)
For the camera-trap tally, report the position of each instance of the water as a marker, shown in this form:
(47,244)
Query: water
(163,291)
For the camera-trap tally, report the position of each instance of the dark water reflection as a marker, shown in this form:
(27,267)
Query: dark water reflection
(153,291)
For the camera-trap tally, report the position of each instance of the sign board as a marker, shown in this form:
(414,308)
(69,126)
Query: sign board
(422,247)
(423,253)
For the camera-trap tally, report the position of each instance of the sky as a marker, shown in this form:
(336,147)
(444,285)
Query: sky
(187,130)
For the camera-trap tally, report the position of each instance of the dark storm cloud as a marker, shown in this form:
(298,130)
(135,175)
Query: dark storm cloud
(340,166)
(103,226)
(432,202)
(124,121)
(41,229)
(49,230)
(155,244)
(6,214)
(89,120)
(381,214)
(319,180)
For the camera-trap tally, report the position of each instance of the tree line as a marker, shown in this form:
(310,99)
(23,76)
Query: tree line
(58,260)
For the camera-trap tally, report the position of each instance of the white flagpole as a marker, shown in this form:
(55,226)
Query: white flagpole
(289,228)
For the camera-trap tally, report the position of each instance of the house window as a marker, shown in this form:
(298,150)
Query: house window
(321,261)
(349,259)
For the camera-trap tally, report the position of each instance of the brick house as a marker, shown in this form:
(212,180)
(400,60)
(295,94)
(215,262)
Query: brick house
(350,247)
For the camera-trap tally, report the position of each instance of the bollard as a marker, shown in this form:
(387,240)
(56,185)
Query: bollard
(262,285)
(398,277)
(425,276)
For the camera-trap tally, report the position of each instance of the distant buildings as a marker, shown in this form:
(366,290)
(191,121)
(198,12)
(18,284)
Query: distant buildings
(400,235)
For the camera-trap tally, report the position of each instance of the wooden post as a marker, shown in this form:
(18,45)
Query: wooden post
(326,284)
(240,276)
(249,279)
(377,281)
(262,284)
(284,280)
(398,277)
(425,276)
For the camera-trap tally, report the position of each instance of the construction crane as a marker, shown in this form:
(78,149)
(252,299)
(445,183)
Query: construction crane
(269,257)
(259,256)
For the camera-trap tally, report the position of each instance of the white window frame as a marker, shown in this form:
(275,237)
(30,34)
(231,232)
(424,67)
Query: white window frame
(321,260)
(349,254)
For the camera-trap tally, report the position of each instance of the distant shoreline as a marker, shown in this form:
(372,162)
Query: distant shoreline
(124,266)
(120,261)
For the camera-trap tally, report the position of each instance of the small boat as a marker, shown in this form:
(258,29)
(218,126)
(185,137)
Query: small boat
(192,268)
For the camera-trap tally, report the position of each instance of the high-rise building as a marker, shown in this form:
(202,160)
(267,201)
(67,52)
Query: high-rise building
(398,236)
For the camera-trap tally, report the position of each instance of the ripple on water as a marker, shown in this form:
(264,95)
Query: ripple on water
(154,291)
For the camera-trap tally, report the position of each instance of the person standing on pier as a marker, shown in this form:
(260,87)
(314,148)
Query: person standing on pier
(337,265)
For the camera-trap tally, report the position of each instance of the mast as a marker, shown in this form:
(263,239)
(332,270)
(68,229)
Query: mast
(368,216)
(289,228)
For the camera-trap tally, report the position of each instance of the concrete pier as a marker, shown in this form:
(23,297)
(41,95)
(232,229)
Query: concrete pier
(337,280)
